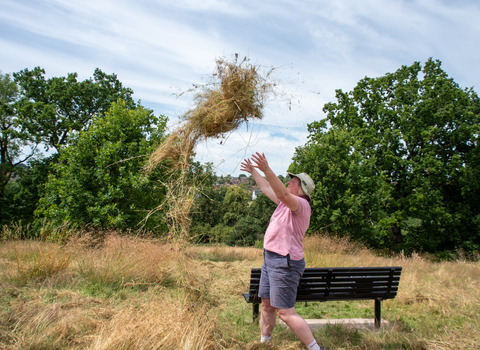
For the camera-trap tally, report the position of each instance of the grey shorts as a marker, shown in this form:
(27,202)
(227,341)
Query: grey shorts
(279,279)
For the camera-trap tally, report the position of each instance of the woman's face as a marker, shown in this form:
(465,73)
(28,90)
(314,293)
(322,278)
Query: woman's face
(294,186)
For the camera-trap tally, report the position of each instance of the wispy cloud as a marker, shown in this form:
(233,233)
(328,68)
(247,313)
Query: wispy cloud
(161,48)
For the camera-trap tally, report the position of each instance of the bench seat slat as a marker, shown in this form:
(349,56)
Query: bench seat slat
(304,291)
(353,287)
(339,297)
(343,271)
(351,269)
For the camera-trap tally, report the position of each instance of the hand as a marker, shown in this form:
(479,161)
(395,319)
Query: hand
(246,166)
(261,162)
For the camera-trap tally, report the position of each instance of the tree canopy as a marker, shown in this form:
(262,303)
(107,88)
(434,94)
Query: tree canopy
(54,108)
(396,162)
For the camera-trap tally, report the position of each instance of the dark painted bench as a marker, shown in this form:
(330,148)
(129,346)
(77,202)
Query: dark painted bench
(338,283)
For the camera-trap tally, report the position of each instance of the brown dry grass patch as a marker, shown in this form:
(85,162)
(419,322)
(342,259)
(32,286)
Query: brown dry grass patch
(157,324)
(124,259)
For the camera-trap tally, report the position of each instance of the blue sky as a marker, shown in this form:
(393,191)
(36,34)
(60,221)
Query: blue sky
(160,48)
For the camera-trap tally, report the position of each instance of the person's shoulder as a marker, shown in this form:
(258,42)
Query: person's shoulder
(303,207)
(303,201)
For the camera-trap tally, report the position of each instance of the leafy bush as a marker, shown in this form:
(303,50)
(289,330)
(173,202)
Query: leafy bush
(245,232)
(99,179)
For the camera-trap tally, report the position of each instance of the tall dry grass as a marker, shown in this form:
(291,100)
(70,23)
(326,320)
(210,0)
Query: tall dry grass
(323,251)
(34,324)
(129,293)
(123,259)
(28,261)
(117,267)
(157,324)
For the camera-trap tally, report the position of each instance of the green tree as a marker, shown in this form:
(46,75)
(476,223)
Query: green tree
(235,204)
(252,226)
(262,209)
(245,232)
(410,138)
(53,109)
(208,207)
(99,177)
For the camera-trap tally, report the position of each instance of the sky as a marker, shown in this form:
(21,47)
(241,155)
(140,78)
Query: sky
(160,49)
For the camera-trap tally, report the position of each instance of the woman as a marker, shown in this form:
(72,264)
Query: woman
(283,263)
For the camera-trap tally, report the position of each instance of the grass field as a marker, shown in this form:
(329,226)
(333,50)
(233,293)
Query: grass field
(122,292)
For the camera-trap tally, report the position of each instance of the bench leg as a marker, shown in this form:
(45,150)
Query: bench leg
(255,312)
(378,313)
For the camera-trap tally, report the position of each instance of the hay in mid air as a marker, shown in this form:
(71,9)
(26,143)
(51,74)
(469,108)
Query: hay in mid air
(237,94)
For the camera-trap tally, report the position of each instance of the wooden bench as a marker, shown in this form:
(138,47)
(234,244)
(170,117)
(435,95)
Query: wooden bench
(338,283)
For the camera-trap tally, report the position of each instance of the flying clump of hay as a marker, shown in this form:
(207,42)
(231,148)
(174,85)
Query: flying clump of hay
(237,94)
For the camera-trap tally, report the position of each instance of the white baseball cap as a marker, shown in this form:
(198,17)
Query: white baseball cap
(306,182)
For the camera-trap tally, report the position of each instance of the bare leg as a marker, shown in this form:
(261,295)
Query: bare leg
(268,318)
(297,324)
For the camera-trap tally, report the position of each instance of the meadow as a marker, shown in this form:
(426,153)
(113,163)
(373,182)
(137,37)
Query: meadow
(111,291)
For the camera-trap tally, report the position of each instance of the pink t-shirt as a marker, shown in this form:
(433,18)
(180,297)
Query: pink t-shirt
(287,228)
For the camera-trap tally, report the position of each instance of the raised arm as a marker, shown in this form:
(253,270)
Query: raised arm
(279,189)
(247,166)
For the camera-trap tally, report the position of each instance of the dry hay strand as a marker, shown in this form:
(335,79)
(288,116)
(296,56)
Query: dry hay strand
(238,94)
(177,148)
(180,198)
(177,204)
